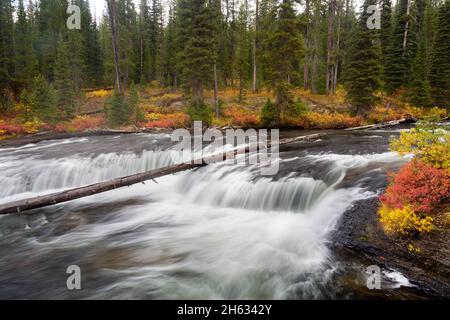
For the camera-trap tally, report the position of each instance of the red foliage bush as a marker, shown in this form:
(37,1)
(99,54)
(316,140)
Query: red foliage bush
(172,120)
(420,185)
(12,128)
(80,123)
(242,118)
(325,120)
(163,123)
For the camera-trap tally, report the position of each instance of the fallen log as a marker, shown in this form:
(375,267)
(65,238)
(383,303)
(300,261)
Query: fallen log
(379,125)
(76,193)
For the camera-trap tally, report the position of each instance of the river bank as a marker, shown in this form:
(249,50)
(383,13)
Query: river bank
(359,233)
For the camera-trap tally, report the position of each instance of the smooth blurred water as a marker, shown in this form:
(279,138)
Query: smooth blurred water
(220,231)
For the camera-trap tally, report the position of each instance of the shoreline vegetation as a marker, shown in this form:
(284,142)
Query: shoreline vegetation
(162,109)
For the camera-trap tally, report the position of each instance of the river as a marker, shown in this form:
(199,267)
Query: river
(220,231)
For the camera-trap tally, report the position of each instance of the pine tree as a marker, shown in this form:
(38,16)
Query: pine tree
(7,50)
(285,48)
(440,70)
(63,84)
(242,49)
(91,53)
(386,26)
(155,38)
(26,61)
(197,56)
(51,23)
(43,100)
(364,66)
(400,50)
(419,86)
(168,52)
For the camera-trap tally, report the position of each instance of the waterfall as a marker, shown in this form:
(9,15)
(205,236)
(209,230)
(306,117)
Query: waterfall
(219,231)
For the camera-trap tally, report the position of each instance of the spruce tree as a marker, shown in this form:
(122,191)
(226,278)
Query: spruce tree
(285,48)
(400,50)
(419,85)
(43,100)
(197,56)
(364,67)
(7,70)
(63,84)
(386,26)
(440,69)
(26,61)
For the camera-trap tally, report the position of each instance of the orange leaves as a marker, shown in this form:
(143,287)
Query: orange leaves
(16,128)
(171,120)
(241,118)
(80,123)
(382,114)
(326,120)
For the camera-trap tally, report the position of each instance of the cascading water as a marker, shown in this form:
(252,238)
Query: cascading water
(220,231)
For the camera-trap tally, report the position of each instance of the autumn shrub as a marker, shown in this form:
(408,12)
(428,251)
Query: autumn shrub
(383,114)
(403,221)
(239,117)
(33,126)
(98,93)
(419,185)
(326,120)
(428,142)
(172,120)
(426,113)
(80,123)
(11,128)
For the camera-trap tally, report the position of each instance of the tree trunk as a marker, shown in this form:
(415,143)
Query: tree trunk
(330,45)
(336,62)
(405,34)
(216,99)
(308,55)
(255,45)
(141,67)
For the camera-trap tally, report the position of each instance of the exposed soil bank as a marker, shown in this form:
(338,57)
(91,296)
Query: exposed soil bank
(358,232)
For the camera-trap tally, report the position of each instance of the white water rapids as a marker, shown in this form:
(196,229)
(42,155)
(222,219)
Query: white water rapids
(220,231)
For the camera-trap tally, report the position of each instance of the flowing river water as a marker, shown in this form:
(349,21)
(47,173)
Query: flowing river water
(220,231)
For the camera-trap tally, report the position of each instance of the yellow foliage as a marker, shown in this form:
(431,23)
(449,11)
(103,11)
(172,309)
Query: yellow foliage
(98,93)
(2,132)
(404,221)
(383,114)
(152,116)
(430,145)
(423,113)
(32,126)
(413,249)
